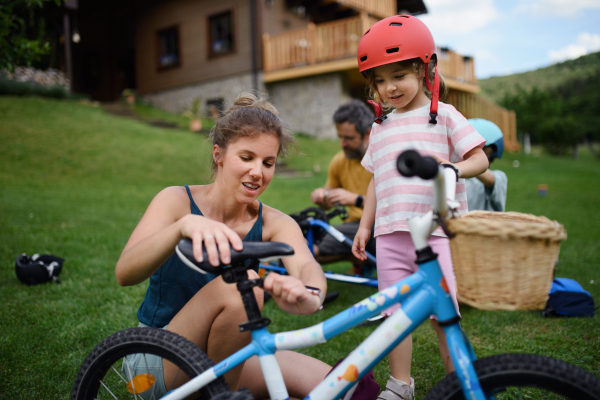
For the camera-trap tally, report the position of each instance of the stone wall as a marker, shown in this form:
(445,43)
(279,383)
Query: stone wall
(307,104)
(180,99)
(49,77)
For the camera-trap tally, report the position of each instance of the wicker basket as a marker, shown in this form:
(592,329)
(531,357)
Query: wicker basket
(504,261)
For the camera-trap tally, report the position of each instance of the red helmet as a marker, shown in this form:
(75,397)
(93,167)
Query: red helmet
(399,38)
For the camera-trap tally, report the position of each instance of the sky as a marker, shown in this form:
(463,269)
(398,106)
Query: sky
(511,36)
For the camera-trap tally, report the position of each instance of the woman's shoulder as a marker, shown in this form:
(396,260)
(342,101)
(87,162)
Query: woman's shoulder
(175,199)
(274,221)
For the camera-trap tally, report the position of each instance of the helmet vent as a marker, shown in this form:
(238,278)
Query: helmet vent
(395,24)
(363,58)
(367,32)
(392,50)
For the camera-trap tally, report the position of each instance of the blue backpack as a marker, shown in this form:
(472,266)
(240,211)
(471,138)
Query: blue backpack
(567,298)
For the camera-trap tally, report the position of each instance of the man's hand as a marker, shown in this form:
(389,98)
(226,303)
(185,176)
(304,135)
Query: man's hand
(319,197)
(342,197)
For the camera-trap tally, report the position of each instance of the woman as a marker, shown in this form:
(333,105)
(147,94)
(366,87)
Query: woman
(203,308)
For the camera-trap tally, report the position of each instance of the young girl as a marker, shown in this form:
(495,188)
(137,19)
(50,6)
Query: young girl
(203,308)
(397,56)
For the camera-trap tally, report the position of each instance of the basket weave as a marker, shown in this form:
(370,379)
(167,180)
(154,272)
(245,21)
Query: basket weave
(504,261)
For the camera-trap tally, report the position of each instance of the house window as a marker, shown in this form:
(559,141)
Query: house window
(168,48)
(220,34)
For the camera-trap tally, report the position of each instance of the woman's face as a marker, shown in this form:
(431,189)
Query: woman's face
(247,165)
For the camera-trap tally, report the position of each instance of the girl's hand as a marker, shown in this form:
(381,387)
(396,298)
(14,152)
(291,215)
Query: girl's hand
(360,242)
(216,237)
(290,294)
(440,160)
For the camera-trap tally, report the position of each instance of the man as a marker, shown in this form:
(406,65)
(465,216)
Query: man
(347,181)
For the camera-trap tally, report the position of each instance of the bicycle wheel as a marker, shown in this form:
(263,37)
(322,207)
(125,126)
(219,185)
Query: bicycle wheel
(124,366)
(523,376)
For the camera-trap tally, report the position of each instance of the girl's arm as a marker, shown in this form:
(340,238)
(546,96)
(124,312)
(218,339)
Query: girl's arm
(164,223)
(289,292)
(366,222)
(475,162)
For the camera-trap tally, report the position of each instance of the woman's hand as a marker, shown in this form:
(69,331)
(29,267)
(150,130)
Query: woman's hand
(360,242)
(291,295)
(216,237)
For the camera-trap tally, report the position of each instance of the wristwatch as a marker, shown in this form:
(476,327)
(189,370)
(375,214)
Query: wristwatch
(316,292)
(359,201)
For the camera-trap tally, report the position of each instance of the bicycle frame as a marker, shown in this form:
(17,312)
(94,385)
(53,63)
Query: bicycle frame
(340,237)
(422,294)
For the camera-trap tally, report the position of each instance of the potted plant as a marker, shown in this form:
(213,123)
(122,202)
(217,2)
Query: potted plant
(192,114)
(129,96)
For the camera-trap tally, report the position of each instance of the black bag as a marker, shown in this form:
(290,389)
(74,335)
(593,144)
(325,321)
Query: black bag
(568,298)
(38,268)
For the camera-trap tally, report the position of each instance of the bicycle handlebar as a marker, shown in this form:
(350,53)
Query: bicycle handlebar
(411,163)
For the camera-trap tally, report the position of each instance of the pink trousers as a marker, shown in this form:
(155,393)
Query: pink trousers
(396,260)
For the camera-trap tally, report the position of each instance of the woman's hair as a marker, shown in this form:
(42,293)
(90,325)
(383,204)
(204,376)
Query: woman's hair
(249,116)
(419,67)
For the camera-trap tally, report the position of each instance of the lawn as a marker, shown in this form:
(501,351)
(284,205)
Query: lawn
(75,181)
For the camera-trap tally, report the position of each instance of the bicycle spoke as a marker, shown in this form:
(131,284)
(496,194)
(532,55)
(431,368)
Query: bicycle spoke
(118,374)
(106,387)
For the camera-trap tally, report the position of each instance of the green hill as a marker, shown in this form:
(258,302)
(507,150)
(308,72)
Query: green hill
(547,78)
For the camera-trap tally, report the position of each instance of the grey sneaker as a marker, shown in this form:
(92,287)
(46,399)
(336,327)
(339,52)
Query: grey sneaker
(398,390)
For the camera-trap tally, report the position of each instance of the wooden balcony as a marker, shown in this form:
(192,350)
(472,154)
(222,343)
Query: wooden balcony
(333,46)
(377,8)
(315,44)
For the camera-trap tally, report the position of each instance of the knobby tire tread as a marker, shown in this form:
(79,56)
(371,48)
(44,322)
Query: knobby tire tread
(506,370)
(191,359)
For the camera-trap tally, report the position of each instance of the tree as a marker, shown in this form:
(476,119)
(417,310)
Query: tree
(560,118)
(22,40)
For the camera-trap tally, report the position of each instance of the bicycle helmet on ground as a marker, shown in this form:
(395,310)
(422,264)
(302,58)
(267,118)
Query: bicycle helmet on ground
(400,38)
(491,133)
(38,268)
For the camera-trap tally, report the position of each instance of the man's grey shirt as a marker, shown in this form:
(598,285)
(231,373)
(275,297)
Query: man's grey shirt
(484,198)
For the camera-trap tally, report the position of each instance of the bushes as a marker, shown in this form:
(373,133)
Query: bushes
(9,87)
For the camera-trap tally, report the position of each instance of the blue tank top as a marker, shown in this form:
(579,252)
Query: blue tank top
(174,283)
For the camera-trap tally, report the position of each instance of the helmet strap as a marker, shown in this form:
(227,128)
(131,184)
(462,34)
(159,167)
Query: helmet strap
(378,112)
(435,93)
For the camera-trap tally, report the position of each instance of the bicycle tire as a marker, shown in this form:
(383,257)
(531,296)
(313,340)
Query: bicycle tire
(178,350)
(502,375)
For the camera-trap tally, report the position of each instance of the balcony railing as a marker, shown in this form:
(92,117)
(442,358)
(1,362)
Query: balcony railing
(473,106)
(377,8)
(339,39)
(314,44)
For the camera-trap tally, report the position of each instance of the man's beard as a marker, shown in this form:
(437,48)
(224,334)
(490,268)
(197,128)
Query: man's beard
(355,154)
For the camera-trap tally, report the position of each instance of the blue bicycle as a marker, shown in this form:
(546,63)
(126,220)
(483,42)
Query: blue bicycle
(505,376)
(314,223)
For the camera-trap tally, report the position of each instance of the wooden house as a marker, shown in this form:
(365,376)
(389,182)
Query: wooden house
(301,52)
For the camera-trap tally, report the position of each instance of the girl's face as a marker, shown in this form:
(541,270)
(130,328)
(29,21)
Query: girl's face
(400,86)
(247,165)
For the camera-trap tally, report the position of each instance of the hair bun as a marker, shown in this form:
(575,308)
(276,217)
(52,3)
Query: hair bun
(248,99)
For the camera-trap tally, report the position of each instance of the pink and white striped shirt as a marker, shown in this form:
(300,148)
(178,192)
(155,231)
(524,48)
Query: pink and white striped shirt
(400,198)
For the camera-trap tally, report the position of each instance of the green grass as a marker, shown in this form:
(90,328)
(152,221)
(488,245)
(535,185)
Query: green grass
(74,181)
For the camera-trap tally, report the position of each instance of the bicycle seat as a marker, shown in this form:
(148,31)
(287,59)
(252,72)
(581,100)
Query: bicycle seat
(262,251)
